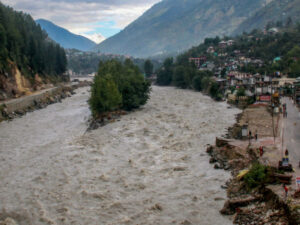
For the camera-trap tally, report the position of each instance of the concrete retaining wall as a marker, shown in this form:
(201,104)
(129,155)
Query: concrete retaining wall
(28,101)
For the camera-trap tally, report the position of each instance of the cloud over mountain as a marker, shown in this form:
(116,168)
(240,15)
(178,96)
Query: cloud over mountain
(79,16)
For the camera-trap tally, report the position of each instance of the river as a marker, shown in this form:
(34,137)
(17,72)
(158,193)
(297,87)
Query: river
(149,167)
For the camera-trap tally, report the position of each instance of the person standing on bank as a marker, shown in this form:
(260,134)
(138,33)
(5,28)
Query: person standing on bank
(286,190)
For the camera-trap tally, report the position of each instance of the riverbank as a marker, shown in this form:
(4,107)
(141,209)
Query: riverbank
(263,202)
(20,106)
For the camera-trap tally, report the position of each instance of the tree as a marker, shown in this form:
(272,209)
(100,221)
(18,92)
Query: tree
(179,77)
(214,90)
(134,90)
(105,95)
(223,72)
(241,92)
(205,84)
(148,68)
(197,83)
(23,43)
(165,74)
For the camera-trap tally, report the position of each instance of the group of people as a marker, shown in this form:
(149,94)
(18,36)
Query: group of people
(255,135)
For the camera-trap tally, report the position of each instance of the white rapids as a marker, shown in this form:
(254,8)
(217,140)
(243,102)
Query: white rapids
(150,167)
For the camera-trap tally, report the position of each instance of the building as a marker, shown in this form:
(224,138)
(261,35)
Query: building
(283,82)
(230,42)
(198,61)
(222,44)
(210,49)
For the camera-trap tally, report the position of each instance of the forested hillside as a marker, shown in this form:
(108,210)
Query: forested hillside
(83,63)
(27,57)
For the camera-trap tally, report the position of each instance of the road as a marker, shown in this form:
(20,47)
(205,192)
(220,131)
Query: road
(291,133)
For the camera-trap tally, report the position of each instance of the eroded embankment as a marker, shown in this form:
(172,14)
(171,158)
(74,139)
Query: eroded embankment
(150,167)
(263,203)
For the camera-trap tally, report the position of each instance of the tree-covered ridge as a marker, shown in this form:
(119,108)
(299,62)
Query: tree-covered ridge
(118,86)
(83,63)
(23,43)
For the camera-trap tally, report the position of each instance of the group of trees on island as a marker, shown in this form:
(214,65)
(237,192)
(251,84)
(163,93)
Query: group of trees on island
(118,86)
(23,43)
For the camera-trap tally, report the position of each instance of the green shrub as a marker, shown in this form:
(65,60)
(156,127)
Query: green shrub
(256,176)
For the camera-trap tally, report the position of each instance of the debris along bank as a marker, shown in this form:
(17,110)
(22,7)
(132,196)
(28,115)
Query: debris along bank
(256,194)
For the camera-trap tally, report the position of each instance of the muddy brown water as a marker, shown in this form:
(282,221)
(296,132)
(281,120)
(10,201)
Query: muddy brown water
(148,168)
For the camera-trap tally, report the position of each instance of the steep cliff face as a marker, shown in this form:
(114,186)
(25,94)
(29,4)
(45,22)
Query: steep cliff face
(13,84)
(176,25)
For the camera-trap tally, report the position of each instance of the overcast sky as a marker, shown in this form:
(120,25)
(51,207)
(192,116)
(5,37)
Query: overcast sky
(96,19)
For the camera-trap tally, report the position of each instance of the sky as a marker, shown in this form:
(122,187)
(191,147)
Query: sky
(95,19)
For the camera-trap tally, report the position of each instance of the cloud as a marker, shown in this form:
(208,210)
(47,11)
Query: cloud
(82,16)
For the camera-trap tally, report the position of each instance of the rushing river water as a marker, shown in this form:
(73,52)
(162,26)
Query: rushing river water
(148,168)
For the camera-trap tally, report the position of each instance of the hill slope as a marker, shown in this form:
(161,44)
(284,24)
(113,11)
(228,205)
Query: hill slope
(65,38)
(277,10)
(28,59)
(175,25)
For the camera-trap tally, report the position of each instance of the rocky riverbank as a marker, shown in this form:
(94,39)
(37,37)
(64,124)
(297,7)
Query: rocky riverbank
(255,193)
(20,106)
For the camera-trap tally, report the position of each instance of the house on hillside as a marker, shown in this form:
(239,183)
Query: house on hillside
(263,85)
(230,42)
(222,44)
(210,50)
(207,66)
(273,30)
(198,61)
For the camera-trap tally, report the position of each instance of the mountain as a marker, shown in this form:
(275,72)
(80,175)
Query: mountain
(176,25)
(65,38)
(275,11)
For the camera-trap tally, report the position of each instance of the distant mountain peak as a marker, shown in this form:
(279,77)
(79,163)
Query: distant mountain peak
(64,37)
(172,26)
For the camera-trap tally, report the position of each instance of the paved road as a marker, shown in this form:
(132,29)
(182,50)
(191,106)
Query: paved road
(291,133)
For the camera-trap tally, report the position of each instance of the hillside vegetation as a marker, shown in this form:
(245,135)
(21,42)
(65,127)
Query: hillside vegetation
(26,54)
(83,63)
